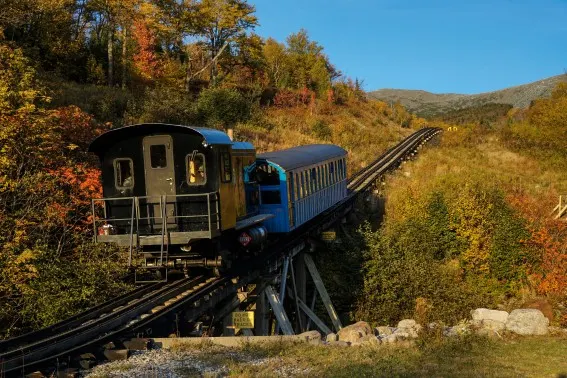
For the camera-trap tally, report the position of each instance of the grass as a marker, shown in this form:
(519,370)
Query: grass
(467,357)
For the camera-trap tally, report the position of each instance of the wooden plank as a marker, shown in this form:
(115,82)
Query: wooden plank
(322,291)
(279,311)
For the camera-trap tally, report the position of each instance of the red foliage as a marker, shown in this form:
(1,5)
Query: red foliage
(146,60)
(286,98)
(547,236)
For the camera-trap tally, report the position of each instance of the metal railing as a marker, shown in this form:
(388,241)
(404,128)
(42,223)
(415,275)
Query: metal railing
(180,205)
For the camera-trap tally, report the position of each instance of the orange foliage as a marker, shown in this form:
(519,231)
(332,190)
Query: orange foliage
(547,234)
(146,60)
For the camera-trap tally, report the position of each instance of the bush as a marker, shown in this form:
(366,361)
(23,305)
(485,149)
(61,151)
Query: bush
(321,130)
(163,105)
(222,108)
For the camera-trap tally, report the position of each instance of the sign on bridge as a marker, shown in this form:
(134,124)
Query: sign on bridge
(243,319)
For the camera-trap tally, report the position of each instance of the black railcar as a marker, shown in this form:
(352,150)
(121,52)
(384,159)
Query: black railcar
(176,194)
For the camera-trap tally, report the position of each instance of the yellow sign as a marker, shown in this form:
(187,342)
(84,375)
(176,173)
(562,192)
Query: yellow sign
(244,319)
(328,235)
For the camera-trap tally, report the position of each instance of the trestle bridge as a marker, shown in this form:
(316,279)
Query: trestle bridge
(286,272)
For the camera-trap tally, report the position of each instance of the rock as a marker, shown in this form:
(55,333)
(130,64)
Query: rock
(401,335)
(312,337)
(493,325)
(354,332)
(408,326)
(458,330)
(527,321)
(543,305)
(407,323)
(331,337)
(390,339)
(481,314)
(383,331)
(368,340)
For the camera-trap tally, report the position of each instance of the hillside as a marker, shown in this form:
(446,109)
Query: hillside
(429,104)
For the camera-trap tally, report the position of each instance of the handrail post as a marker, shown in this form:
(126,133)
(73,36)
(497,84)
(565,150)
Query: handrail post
(131,231)
(209,212)
(162,210)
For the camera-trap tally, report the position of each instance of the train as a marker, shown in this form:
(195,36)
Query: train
(184,197)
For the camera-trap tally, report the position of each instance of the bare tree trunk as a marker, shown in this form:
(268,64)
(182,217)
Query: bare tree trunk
(110,56)
(124,56)
(188,75)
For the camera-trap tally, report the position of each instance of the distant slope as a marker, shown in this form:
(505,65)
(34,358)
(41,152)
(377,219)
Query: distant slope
(429,104)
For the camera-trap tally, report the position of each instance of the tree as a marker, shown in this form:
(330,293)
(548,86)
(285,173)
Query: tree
(277,62)
(221,22)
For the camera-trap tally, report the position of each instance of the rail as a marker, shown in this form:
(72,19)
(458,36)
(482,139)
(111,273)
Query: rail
(135,311)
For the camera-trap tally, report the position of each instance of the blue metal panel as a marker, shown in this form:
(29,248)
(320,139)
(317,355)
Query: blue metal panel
(280,222)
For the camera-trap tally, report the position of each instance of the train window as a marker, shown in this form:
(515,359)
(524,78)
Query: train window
(332,172)
(123,173)
(226,167)
(291,187)
(313,180)
(325,175)
(271,197)
(297,183)
(196,170)
(158,156)
(306,183)
(340,169)
(267,174)
(344,168)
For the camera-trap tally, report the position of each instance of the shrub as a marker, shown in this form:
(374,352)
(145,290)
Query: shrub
(321,130)
(222,108)
(165,105)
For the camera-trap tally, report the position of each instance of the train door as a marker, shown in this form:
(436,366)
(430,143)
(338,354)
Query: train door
(226,189)
(160,176)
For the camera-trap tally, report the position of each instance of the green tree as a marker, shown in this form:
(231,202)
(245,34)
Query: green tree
(221,22)
(222,108)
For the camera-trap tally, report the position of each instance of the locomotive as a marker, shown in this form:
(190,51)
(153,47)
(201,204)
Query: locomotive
(184,196)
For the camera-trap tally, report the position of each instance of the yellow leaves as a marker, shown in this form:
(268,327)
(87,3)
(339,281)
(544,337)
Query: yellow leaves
(471,221)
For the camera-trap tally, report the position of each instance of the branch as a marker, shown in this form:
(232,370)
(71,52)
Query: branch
(211,62)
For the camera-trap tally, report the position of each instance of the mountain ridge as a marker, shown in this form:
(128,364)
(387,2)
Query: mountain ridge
(426,103)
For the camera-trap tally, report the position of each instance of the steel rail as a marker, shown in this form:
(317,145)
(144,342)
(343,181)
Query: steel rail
(76,320)
(93,331)
(83,331)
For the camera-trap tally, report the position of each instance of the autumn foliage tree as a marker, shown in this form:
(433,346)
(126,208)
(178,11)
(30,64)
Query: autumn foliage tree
(46,182)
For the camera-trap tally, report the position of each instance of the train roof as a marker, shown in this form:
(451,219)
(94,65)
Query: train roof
(210,136)
(243,146)
(302,156)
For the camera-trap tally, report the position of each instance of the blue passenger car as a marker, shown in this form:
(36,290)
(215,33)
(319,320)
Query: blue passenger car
(299,183)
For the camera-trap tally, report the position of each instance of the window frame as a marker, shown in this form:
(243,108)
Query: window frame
(165,152)
(225,153)
(188,179)
(131,164)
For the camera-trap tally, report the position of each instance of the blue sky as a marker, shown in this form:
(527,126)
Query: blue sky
(457,46)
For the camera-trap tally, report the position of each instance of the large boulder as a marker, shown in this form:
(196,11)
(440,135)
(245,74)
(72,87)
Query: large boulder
(481,314)
(354,332)
(527,321)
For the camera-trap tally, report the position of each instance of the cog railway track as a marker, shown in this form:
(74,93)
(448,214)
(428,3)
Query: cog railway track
(136,310)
